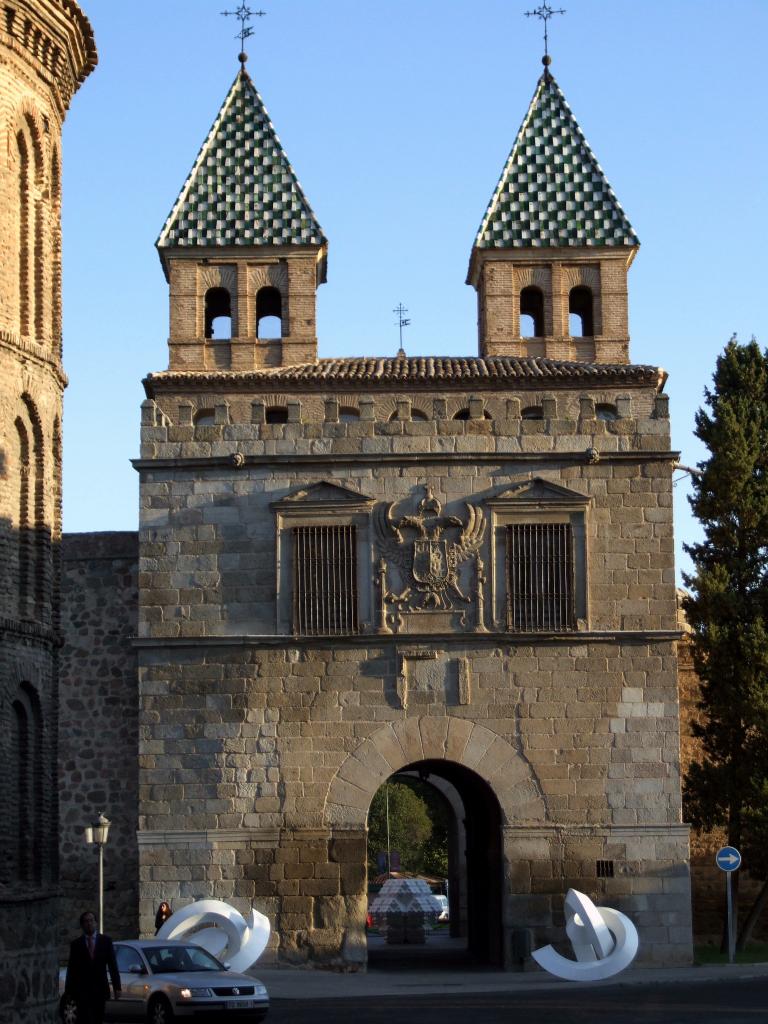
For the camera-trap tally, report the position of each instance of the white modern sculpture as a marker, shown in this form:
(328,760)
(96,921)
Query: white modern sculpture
(604,942)
(222,930)
(405,895)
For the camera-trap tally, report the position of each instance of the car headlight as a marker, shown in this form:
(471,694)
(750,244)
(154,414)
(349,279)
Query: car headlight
(259,989)
(195,993)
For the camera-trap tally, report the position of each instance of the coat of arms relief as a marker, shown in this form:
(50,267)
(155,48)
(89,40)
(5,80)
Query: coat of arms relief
(421,572)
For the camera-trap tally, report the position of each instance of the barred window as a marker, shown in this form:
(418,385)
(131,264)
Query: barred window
(540,574)
(324,580)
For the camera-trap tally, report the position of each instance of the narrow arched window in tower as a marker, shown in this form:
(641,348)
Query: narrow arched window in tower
(25,283)
(39,261)
(269,313)
(25,780)
(35,815)
(56,530)
(218,314)
(40,546)
(531,312)
(24,526)
(55,220)
(20,796)
(580,312)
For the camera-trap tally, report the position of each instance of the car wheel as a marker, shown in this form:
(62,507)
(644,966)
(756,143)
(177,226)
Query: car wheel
(68,1010)
(159,1011)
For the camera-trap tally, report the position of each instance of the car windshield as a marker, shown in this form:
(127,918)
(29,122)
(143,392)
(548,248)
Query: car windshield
(174,959)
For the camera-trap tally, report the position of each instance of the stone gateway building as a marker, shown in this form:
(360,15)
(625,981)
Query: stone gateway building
(46,51)
(354,568)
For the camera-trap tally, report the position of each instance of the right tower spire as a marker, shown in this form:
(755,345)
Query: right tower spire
(550,259)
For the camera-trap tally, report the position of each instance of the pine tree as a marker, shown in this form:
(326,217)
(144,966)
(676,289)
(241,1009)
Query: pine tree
(728,611)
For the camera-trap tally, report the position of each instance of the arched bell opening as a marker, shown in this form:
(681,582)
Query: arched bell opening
(218,314)
(472,879)
(269,313)
(532,312)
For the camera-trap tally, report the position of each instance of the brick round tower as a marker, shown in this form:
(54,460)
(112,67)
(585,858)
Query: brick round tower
(46,50)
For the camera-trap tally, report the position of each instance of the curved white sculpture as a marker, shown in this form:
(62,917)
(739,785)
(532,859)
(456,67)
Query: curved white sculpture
(228,935)
(604,942)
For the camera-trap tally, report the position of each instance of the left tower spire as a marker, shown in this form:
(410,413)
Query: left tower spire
(242,249)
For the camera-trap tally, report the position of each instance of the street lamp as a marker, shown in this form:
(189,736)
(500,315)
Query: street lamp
(97,834)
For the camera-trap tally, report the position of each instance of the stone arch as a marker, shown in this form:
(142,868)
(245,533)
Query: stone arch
(397,744)
(29,168)
(27,119)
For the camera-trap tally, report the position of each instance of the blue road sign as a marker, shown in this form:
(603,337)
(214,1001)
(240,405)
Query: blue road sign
(728,858)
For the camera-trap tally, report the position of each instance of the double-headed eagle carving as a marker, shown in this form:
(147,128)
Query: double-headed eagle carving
(428,564)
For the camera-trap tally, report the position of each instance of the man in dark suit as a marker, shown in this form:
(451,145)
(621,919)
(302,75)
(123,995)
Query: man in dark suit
(90,957)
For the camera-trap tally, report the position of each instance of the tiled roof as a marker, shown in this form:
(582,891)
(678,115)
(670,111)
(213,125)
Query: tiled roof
(552,191)
(242,189)
(488,372)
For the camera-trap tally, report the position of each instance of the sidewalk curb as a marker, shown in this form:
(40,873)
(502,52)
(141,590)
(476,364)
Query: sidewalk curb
(297,983)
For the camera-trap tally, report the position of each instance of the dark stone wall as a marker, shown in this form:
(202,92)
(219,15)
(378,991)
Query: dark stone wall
(98,728)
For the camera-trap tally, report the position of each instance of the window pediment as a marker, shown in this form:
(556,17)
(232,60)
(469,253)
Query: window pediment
(538,493)
(323,497)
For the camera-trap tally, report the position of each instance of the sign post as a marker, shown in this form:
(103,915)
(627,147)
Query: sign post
(728,859)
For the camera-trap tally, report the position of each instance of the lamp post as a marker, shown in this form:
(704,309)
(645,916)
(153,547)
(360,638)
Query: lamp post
(97,834)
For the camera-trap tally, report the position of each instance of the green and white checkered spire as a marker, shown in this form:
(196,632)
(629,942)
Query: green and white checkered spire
(242,189)
(552,191)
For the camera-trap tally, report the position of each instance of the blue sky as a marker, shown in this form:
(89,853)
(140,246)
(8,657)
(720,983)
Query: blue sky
(398,118)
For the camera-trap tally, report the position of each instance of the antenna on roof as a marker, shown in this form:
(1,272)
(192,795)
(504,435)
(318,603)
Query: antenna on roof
(244,14)
(544,12)
(401,323)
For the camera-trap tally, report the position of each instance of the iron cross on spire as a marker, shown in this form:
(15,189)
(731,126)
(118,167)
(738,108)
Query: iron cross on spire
(244,14)
(401,323)
(545,12)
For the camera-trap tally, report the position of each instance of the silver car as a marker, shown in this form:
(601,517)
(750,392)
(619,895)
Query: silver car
(163,980)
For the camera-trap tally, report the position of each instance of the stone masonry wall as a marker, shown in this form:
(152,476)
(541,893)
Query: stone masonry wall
(261,750)
(276,752)
(98,727)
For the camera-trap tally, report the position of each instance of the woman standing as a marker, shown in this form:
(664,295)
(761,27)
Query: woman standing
(163,913)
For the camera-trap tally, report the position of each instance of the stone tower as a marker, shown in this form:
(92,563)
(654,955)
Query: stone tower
(550,259)
(456,569)
(241,249)
(46,51)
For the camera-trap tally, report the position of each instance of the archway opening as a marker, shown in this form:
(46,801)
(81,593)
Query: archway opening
(218,314)
(459,857)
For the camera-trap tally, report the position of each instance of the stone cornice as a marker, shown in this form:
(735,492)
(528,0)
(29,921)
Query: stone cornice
(453,639)
(175,838)
(30,350)
(397,458)
(660,830)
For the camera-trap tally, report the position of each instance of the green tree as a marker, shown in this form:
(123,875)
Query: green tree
(435,849)
(410,826)
(728,611)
